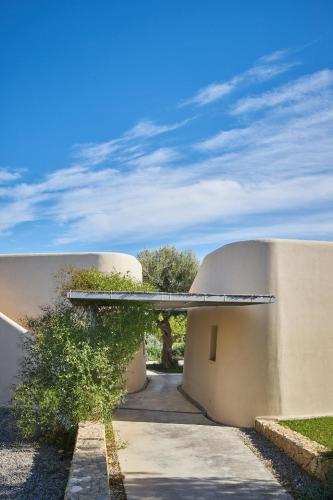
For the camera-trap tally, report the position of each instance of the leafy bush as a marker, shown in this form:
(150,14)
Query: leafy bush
(75,370)
(154,343)
(178,323)
(178,349)
(153,347)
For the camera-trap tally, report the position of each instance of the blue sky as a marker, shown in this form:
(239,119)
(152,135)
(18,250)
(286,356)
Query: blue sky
(129,124)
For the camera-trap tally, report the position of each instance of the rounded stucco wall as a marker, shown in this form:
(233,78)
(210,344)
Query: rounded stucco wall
(29,281)
(243,380)
(272,360)
(304,273)
(12,337)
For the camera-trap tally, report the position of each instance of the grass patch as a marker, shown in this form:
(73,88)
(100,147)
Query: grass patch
(116,478)
(317,429)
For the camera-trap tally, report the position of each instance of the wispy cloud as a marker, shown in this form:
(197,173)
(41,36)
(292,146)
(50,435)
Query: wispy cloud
(123,147)
(173,207)
(292,135)
(95,153)
(147,128)
(146,186)
(274,56)
(319,225)
(212,92)
(7,174)
(265,69)
(305,86)
(156,158)
(287,132)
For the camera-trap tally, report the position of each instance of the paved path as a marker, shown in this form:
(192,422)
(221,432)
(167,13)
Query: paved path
(174,452)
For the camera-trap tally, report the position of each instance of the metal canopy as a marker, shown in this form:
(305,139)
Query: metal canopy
(168,301)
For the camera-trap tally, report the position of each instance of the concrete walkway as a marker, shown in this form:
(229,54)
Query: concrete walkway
(174,452)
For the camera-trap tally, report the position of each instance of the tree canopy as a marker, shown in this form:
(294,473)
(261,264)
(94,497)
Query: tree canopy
(168,269)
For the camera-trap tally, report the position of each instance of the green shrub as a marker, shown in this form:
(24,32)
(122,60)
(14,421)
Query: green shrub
(75,370)
(178,350)
(153,347)
(154,342)
(178,323)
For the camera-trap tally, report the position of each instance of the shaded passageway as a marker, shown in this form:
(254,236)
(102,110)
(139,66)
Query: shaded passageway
(173,451)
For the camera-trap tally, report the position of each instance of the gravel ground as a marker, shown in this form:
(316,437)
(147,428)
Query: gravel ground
(29,471)
(294,479)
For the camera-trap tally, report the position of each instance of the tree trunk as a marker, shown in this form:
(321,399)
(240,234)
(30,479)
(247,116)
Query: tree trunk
(166,357)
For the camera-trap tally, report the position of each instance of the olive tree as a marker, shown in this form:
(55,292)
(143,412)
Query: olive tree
(168,270)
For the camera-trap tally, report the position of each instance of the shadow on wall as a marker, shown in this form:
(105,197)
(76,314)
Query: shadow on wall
(189,488)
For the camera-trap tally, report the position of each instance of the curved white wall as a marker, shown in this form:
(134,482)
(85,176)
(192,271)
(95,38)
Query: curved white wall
(28,281)
(12,337)
(238,384)
(272,360)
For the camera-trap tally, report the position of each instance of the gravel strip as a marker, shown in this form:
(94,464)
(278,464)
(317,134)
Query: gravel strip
(29,471)
(293,478)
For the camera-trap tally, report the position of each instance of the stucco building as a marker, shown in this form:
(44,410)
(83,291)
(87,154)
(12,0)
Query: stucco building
(263,360)
(28,281)
(241,361)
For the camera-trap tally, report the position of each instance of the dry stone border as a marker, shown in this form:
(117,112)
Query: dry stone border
(89,478)
(308,454)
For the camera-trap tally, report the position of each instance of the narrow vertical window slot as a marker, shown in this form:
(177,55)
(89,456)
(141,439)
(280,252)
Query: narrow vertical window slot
(213,343)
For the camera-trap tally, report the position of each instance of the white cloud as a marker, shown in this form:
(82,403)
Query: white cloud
(305,86)
(15,212)
(123,147)
(147,128)
(274,56)
(278,163)
(137,209)
(227,139)
(319,225)
(264,70)
(262,73)
(8,175)
(212,92)
(293,138)
(156,158)
(285,132)
(95,153)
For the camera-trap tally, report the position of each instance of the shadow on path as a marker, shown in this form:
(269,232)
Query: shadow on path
(201,489)
(173,451)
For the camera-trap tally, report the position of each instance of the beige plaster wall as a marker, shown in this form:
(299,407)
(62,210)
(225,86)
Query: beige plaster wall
(267,354)
(304,275)
(12,336)
(27,281)
(136,372)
